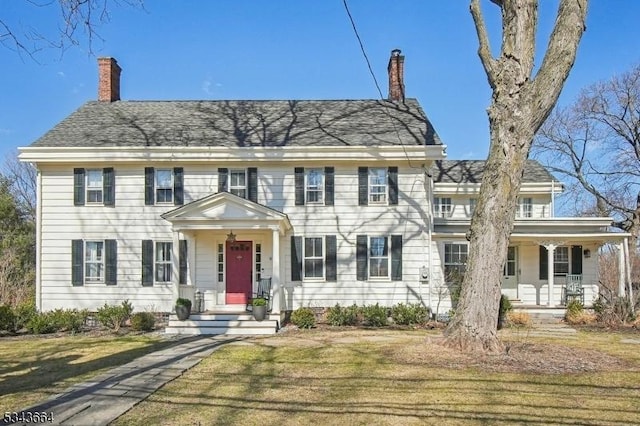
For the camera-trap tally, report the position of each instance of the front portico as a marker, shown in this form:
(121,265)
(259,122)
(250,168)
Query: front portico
(231,243)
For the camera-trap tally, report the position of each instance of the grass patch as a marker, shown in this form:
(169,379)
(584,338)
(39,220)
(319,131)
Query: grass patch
(399,377)
(33,368)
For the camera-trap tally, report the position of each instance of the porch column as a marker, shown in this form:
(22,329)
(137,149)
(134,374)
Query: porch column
(175,265)
(551,248)
(621,269)
(191,259)
(275,268)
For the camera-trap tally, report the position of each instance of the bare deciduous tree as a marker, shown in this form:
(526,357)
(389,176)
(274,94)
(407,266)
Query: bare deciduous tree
(21,178)
(594,145)
(76,20)
(520,104)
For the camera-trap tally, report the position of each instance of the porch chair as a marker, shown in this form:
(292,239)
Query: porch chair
(263,291)
(573,289)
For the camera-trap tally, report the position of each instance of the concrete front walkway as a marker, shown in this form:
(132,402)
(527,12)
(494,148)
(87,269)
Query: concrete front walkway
(106,397)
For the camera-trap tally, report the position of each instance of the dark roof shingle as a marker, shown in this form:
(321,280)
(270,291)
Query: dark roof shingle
(470,171)
(243,124)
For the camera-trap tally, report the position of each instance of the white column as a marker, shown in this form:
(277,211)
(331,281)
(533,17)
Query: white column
(551,248)
(621,269)
(275,274)
(175,265)
(191,259)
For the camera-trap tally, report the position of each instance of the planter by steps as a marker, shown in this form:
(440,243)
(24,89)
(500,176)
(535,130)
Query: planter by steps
(183,309)
(259,308)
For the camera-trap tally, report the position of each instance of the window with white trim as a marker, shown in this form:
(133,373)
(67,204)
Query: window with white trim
(220,263)
(164,185)
(442,207)
(94,186)
(378,185)
(94,261)
(238,182)
(525,207)
(473,202)
(313,253)
(378,257)
(512,262)
(163,262)
(455,260)
(561,260)
(314,186)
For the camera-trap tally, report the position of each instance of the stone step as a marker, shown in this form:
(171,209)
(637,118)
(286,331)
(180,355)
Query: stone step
(244,331)
(222,323)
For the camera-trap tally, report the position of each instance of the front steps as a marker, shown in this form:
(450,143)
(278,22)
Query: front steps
(542,314)
(225,323)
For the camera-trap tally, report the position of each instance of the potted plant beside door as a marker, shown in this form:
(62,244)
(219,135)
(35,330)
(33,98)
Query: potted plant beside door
(259,308)
(183,308)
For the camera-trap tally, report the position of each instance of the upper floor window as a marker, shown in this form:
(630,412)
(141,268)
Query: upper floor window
(525,207)
(473,202)
(238,182)
(164,186)
(377,185)
(442,207)
(314,186)
(94,186)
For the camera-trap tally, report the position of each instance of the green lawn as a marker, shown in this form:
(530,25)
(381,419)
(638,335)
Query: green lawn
(399,377)
(33,368)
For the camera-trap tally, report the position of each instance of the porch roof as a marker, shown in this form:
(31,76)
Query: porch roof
(224,210)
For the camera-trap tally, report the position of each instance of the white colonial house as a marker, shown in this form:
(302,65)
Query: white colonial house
(333,201)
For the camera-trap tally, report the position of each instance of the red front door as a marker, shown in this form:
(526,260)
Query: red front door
(239,274)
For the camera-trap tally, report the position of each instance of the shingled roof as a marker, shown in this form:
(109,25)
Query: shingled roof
(470,171)
(243,124)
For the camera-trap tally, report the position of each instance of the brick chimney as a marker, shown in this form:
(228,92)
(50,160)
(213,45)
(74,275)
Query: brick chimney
(396,76)
(108,80)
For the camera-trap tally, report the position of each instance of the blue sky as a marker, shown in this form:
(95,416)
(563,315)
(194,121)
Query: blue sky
(302,49)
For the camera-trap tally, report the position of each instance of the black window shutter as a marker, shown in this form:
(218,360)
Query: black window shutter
(363,186)
(361,257)
(299,182)
(78,187)
(108,186)
(393,185)
(544,263)
(329,173)
(77,262)
(331,260)
(223,175)
(253,184)
(178,186)
(576,260)
(147,262)
(183,261)
(149,177)
(296,258)
(396,258)
(111,262)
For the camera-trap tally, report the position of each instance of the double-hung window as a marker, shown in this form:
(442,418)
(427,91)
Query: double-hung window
(238,182)
(455,260)
(377,185)
(314,187)
(94,186)
(525,207)
(473,202)
(164,186)
(561,260)
(379,257)
(94,261)
(442,207)
(314,258)
(163,262)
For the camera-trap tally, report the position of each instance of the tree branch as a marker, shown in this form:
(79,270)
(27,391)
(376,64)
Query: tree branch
(484,50)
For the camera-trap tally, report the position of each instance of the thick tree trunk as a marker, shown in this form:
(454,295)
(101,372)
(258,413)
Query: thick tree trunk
(518,108)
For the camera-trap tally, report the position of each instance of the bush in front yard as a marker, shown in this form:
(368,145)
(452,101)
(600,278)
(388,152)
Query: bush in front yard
(576,314)
(303,318)
(114,316)
(143,321)
(23,314)
(57,320)
(409,314)
(7,318)
(375,315)
(519,319)
(340,316)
